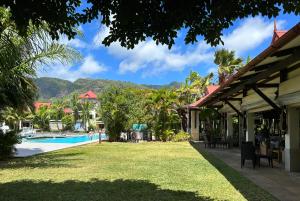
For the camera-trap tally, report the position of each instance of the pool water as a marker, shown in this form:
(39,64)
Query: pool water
(68,140)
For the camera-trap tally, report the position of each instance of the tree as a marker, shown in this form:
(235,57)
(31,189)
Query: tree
(227,63)
(12,117)
(115,108)
(20,56)
(162,106)
(192,89)
(42,118)
(86,107)
(75,105)
(57,111)
(68,122)
(133,21)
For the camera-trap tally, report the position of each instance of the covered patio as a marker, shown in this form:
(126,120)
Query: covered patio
(282,184)
(264,98)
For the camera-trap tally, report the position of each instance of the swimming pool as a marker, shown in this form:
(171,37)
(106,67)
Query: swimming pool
(66,139)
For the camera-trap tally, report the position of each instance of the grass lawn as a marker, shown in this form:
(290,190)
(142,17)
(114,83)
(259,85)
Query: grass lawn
(125,172)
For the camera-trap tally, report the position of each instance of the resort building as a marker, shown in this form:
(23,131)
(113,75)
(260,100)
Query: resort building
(264,96)
(91,97)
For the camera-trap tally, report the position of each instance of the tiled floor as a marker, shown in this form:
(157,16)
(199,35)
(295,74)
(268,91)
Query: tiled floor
(282,184)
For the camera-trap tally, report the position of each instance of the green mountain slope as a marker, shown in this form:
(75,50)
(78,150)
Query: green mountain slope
(56,88)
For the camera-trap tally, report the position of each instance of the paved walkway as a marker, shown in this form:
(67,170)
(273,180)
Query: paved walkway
(29,149)
(280,183)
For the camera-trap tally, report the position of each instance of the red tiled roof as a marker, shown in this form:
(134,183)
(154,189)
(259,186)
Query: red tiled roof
(88,95)
(38,104)
(209,89)
(277,35)
(68,110)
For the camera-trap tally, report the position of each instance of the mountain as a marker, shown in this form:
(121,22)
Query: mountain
(56,88)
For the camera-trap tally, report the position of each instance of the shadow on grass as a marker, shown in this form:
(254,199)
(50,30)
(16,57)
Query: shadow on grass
(41,161)
(100,190)
(246,187)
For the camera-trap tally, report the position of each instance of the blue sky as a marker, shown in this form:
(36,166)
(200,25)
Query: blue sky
(152,64)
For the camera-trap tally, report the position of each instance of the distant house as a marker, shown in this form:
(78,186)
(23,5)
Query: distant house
(38,105)
(26,124)
(94,119)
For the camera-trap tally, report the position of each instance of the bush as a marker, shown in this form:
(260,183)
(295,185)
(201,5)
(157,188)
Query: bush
(68,122)
(7,144)
(167,135)
(181,136)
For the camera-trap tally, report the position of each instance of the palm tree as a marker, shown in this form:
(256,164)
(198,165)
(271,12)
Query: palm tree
(227,63)
(57,111)
(74,103)
(86,107)
(42,118)
(189,92)
(21,56)
(12,117)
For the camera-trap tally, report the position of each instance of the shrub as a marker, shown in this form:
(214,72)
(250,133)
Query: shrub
(181,136)
(68,122)
(167,135)
(7,144)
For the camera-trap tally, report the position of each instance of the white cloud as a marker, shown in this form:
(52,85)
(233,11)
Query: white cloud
(251,33)
(76,43)
(89,67)
(153,59)
(156,57)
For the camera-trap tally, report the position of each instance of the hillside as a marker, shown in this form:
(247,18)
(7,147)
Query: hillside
(56,88)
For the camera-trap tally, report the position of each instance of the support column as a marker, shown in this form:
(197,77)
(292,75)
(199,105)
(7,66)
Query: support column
(250,127)
(194,125)
(292,151)
(241,130)
(229,122)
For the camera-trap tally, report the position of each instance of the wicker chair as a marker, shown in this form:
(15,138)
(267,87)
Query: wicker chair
(265,152)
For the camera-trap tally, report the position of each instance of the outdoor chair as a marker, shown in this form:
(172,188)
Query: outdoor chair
(248,153)
(208,142)
(222,142)
(265,152)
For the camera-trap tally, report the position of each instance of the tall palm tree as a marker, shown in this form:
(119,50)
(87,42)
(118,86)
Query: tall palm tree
(227,63)
(21,56)
(74,104)
(86,107)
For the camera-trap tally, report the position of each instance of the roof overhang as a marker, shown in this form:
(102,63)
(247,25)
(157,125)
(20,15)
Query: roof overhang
(283,54)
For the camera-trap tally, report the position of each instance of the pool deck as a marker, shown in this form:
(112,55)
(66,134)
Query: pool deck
(29,149)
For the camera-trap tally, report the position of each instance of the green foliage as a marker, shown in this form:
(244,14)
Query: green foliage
(193,88)
(166,135)
(20,56)
(41,118)
(161,107)
(7,142)
(227,63)
(115,108)
(86,107)
(181,136)
(68,122)
(135,20)
(57,88)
